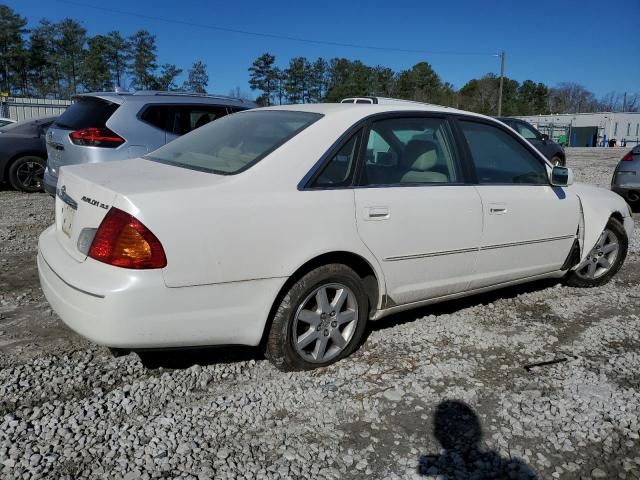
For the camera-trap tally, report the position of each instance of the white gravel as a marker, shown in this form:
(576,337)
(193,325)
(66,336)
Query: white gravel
(437,393)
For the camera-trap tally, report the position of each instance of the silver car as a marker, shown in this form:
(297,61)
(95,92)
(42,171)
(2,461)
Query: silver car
(106,126)
(626,178)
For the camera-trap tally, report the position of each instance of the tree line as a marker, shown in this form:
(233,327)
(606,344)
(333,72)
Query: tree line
(320,80)
(59,59)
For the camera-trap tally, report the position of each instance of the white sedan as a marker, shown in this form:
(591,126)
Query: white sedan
(291,227)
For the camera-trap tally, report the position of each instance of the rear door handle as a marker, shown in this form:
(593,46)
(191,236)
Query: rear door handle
(376,213)
(497,208)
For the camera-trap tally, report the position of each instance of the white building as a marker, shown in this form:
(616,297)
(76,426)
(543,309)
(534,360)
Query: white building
(610,125)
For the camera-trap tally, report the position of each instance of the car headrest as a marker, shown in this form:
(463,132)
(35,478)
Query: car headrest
(421,155)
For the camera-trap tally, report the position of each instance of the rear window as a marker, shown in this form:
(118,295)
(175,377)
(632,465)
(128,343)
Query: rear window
(87,112)
(235,142)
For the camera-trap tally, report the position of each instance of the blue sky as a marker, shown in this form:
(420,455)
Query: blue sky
(590,42)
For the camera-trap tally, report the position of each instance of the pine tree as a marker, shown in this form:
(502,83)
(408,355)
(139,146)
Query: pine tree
(119,56)
(70,44)
(12,51)
(197,78)
(167,77)
(144,60)
(96,74)
(262,76)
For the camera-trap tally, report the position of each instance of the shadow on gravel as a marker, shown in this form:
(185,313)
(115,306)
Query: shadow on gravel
(453,306)
(183,358)
(457,427)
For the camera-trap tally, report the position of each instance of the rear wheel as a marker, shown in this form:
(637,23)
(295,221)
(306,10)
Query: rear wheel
(604,260)
(320,320)
(26,173)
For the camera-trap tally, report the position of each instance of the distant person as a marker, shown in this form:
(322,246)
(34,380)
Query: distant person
(458,429)
(623,143)
(612,142)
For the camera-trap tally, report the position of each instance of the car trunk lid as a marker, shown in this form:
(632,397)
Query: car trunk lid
(86,192)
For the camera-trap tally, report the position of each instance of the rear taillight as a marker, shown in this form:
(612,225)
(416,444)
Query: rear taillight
(628,157)
(96,137)
(122,241)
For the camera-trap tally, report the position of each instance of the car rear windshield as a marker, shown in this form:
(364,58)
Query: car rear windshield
(86,112)
(235,142)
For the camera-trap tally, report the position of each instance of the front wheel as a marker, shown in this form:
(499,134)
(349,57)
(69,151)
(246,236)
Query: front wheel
(26,173)
(604,260)
(320,320)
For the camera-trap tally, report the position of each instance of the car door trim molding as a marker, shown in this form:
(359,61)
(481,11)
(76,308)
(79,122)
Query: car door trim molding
(397,258)
(527,242)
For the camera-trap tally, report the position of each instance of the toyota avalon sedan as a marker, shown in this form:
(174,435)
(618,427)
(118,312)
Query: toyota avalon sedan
(291,227)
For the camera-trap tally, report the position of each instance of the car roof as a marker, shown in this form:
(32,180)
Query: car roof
(154,96)
(363,110)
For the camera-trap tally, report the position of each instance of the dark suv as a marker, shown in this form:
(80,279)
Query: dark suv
(542,142)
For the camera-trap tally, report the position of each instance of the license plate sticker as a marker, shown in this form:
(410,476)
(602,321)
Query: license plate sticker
(67,219)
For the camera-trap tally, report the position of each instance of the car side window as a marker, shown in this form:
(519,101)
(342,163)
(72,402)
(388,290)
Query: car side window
(200,116)
(185,118)
(499,158)
(338,172)
(410,151)
(156,115)
(526,131)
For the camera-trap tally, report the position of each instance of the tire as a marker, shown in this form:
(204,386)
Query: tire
(614,232)
(557,160)
(292,325)
(26,173)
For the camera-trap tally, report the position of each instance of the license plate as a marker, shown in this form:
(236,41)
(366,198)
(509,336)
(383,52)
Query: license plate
(67,219)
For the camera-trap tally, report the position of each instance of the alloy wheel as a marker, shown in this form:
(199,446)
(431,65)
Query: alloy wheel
(325,322)
(30,175)
(601,258)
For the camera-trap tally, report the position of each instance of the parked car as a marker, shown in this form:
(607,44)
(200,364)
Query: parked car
(549,148)
(101,127)
(291,227)
(626,177)
(23,155)
(6,121)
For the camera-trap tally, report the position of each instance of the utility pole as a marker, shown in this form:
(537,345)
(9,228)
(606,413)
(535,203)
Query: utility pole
(501,55)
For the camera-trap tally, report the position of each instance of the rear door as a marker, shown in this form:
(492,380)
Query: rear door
(529,226)
(414,210)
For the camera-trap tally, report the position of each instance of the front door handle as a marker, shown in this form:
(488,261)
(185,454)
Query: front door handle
(497,208)
(376,213)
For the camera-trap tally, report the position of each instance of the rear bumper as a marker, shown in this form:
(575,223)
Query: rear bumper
(131,309)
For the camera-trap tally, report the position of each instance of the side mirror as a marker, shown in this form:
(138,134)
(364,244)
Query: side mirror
(544,137)
(561,176)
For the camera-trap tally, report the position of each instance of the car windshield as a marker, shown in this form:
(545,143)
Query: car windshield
(235,142)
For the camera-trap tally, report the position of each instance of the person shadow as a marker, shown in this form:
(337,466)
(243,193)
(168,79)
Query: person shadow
(457,428)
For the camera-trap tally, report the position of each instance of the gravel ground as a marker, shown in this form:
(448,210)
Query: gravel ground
(452,391)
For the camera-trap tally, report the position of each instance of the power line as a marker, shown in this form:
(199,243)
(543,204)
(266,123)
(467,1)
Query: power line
(268,35)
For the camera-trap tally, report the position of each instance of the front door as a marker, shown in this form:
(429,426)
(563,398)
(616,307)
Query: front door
(529,226)
(414,210)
